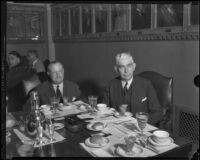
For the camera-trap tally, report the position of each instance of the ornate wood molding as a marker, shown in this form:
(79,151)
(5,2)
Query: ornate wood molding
(126,36)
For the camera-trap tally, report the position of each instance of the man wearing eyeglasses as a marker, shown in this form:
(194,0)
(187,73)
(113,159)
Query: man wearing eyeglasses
(135,91)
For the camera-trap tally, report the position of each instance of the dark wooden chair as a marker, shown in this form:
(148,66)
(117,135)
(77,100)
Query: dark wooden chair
(164,88)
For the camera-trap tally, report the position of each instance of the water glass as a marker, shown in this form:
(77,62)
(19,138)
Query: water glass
(142,119)
(123,109)
(40,133)
(93,101)
(130,142)
(54,103)
(51,129)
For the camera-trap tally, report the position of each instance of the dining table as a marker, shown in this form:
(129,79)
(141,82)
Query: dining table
(73,142)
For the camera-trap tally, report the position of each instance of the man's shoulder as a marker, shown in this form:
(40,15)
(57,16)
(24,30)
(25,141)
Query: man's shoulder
(43,86)
(69,82)
(114,81)
(141,81)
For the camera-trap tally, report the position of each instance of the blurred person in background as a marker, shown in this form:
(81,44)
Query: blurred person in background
(35,62)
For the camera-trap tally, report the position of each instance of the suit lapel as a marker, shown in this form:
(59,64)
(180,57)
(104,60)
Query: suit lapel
(134,96)
(51,89)
(65,88)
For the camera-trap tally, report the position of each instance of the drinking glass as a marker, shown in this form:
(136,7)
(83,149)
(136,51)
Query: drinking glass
(123,109)
(51,129)
(142,119)
(130,142)
(54,103)
(40,134)
(93,101)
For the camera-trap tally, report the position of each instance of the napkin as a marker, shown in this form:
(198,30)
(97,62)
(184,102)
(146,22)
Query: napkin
(96,152)
(24,138)
(21,136)
(163,149)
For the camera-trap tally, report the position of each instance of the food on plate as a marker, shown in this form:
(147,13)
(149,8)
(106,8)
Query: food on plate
(45,107)
(82,107)
(98,126)
(10,123)
(98,139)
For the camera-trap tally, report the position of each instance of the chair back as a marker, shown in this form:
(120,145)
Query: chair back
(30,83)
(164,88)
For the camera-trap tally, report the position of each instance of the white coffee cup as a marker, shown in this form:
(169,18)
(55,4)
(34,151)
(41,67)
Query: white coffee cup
(101,107)
(160,136)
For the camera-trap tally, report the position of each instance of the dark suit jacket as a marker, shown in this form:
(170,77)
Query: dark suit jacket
(46,91)
(143,97)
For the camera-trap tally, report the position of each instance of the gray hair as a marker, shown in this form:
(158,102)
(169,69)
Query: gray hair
(123,55)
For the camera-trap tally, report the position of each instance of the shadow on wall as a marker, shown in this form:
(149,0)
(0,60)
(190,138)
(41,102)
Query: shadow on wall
(92,87)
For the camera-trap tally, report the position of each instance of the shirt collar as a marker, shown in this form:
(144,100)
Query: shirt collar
(60,87)
(129,83)
(35,61)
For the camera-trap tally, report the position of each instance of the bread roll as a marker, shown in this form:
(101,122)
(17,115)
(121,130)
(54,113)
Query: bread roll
(98,126)
(97,139)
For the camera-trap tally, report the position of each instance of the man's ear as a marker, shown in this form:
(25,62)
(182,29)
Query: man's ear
(116,69)
(134,66)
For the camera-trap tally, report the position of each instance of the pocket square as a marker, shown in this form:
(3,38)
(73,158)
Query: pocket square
(144,99)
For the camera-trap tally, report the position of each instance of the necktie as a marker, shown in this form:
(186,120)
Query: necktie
(58,93)
(126,88)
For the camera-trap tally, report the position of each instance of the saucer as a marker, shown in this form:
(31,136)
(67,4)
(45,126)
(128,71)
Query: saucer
(45,107)
(58,126)
(167,143)
(106,111)
(137,151)
(127,114)
(89,126)
(89,144)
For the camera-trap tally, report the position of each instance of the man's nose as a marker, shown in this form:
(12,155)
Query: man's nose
(126,69)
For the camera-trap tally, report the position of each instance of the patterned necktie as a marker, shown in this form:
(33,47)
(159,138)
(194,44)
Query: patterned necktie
(58,93)
(125,88)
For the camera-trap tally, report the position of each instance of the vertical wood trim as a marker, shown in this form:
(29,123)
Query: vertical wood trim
(186,16)
(51,45)
(129,17)
(153,16)
(80,20)
(93,19)
(109,22)
(60,25)
(69,21)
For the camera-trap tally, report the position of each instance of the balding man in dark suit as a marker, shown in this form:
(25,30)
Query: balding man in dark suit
(57,86)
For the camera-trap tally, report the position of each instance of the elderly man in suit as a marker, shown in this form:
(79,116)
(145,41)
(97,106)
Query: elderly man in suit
(135,91)
(57,86)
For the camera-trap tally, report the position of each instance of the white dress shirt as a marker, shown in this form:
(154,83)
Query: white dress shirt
(60,87)
(129,83)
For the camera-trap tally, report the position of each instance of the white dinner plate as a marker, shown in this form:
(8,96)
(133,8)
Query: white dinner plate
(89,126)
(127,114)
(89,144)
(45,107)
(137,151)
(167,143)
(106,111)
(58,126)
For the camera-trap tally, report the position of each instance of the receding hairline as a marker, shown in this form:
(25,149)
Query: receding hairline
(54,63)
(123,55)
